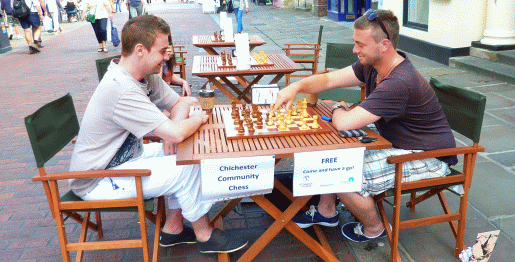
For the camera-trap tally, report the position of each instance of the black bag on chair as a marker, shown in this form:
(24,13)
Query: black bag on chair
(230,8)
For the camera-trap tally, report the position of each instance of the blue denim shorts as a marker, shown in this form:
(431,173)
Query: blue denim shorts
(31,20)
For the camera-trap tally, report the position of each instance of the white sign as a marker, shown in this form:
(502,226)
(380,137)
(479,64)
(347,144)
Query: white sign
(229,178)
(228,30)
(264,94)
(243,51)
(331,171)
(223,16)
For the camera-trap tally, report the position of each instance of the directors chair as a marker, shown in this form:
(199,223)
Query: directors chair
(50,129)
(464,110)
(304,53)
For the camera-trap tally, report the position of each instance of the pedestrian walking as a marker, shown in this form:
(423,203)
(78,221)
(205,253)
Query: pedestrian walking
(101,9)
(31,25)
(53,13)
(9,20)
(239,6)
(135,7)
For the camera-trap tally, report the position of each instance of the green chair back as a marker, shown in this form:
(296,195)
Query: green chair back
(51,128)
(103,64)
(463,108)
(338,56)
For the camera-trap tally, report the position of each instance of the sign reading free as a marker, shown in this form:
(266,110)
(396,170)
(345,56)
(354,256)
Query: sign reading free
(330,171)
(229,178)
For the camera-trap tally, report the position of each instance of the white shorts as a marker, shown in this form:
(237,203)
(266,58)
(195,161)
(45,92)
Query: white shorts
(180,183)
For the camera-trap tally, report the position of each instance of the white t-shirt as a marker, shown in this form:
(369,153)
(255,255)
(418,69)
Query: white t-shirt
(101,11)
(52,6)
(32,4)
(119,106)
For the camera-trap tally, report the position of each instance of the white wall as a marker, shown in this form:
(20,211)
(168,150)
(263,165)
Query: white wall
(452,23)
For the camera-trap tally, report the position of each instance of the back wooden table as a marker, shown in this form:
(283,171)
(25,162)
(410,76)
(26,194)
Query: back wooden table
(207,66)
(210,142)
(206,42)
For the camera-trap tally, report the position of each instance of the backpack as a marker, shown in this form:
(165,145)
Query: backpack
(20,9)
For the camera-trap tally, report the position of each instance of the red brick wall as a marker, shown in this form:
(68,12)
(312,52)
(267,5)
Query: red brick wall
(319,8)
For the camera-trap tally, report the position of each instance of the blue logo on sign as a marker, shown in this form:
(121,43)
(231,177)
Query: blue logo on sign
(351,179)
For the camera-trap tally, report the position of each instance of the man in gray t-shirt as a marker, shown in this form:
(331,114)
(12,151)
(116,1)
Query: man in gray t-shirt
(129,103)
(402,106)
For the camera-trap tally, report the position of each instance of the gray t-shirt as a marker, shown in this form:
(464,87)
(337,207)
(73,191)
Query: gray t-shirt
(411,117)
(120,106)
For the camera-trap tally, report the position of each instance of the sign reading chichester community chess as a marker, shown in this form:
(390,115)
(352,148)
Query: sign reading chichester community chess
(254,121)
(229,178)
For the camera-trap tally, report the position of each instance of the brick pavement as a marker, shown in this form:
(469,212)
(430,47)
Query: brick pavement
(66,64)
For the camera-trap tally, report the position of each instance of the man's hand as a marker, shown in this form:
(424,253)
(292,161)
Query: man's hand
(201,114)
(186,88)
(246,11)
(286,96)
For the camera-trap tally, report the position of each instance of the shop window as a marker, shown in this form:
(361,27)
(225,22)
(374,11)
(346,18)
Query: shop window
(416,14)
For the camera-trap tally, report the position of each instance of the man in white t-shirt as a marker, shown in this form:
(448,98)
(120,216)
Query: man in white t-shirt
(128,104)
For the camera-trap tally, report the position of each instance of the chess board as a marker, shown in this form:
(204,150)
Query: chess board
(231,129)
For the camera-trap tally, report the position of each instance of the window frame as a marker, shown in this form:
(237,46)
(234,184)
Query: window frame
(407,23)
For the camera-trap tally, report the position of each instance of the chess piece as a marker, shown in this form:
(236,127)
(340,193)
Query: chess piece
(282,126)
(288,120)
(229,59)
(259,121)
(250,128)
(234,104)
(272,114)
(241,129)
(294,110)
(304,125)
(315,122)
(235,112)
(236,121)
(305,112)
(270,121)
(216,36)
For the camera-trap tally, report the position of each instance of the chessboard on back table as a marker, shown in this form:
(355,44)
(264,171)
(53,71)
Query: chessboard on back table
(232,128)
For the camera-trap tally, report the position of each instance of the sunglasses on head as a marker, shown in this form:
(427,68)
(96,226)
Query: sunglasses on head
(374,16)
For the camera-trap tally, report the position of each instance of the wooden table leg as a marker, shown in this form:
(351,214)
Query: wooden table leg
(236,90)
(249,87)
(222,88)
(276,79)
(211,51)
(282,220)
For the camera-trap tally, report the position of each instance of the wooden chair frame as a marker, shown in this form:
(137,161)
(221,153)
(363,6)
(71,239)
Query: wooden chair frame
(304,53)
(59,135)
(180,66)
(433,186)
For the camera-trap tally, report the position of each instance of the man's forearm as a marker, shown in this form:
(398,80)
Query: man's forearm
(180,111)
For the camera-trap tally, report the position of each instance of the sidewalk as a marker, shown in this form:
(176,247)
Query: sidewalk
(66,64)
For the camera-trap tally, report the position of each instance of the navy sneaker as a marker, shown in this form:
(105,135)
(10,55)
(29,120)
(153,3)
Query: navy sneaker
(187,236)
(313,217)
(221,242)
(354,232)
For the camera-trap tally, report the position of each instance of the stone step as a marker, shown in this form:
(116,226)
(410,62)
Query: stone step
(501,71)
(506,57)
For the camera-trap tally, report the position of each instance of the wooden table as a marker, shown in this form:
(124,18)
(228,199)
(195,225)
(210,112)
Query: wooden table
(210,142)
(206,42)
(207,66)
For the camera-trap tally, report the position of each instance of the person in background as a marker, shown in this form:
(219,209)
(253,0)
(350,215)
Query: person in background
(118,6)
(32,26)
(102,11)
(10,21)
(239,6)
(135,7)
(53,13)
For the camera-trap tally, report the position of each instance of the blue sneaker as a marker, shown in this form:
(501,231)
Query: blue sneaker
(354,232)
(313,217)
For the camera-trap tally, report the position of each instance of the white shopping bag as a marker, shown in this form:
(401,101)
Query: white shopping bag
(47,23)
(109,31)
